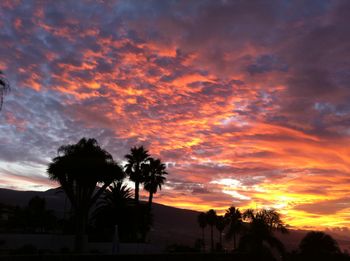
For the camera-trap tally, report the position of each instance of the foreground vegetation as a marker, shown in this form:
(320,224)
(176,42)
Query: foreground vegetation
(92,180)
(86,172)
(253,233)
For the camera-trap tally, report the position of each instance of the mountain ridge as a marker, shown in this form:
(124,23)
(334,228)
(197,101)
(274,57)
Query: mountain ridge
(172,225)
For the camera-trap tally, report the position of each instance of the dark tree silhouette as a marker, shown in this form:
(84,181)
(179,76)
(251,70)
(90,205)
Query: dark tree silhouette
(79,168)
(116,195)
(260,232)
(154,177)
(202,221)
(211,221)
(220,226)
(4,88)
(4,214)
(234,221)
(114,208)
(114,201)
(134,168)
(38,218)
(34,218)
(318,244)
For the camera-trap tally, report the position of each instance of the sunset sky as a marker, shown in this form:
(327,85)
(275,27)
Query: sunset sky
(247,102)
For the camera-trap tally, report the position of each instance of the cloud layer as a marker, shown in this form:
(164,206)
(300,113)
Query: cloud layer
(246,101)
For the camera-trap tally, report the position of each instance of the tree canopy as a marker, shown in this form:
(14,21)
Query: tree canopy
(136,162)
(4,87)
(319,243)
(154,177)
(259,237)
(79,168)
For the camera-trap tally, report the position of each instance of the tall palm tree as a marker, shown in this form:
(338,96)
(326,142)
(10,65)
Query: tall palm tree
(211,220)
(220,226)
(4,87)
(79,168)
(134,168)
(260,233)
(202,221)
(233,218)
(154,177)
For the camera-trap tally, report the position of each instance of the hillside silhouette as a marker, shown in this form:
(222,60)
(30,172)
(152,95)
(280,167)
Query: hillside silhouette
(171,225)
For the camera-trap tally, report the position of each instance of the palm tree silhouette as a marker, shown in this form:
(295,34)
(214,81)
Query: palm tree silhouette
(211,221)
(114,208)
(260,232)
(134,168)
(202,221)
(116,197)
(4,88)
(234,220)
(220,226)
(79,168)
(154,177)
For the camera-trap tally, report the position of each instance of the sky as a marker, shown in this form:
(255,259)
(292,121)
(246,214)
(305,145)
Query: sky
(247,102)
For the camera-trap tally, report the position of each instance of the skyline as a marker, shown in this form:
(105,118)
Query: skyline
(246,102)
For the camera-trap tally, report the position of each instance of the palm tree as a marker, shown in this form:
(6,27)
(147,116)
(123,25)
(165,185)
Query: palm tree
(4,88)
(260,233)
(273,218)
(220,226)
(116,197)
(114,209)
(202,221)
(79,168)
(234,220)
(135,167)
(154,177)
(211,221)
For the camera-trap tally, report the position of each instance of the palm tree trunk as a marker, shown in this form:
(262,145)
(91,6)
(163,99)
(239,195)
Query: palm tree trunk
(80,236)
(137,188)
(203,240)
(137,208)
(150,198)
(234,241)
(212,238)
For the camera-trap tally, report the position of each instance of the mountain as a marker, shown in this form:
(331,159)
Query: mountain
(55,199)
(171,225)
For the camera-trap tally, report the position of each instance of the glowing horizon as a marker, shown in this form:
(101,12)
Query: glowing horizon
(247,103)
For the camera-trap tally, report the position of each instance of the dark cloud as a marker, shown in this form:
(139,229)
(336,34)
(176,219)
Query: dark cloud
(267,63)
(328,207)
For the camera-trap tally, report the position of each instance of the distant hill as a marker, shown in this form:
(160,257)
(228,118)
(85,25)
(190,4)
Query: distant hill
(171,225)
(55,199)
